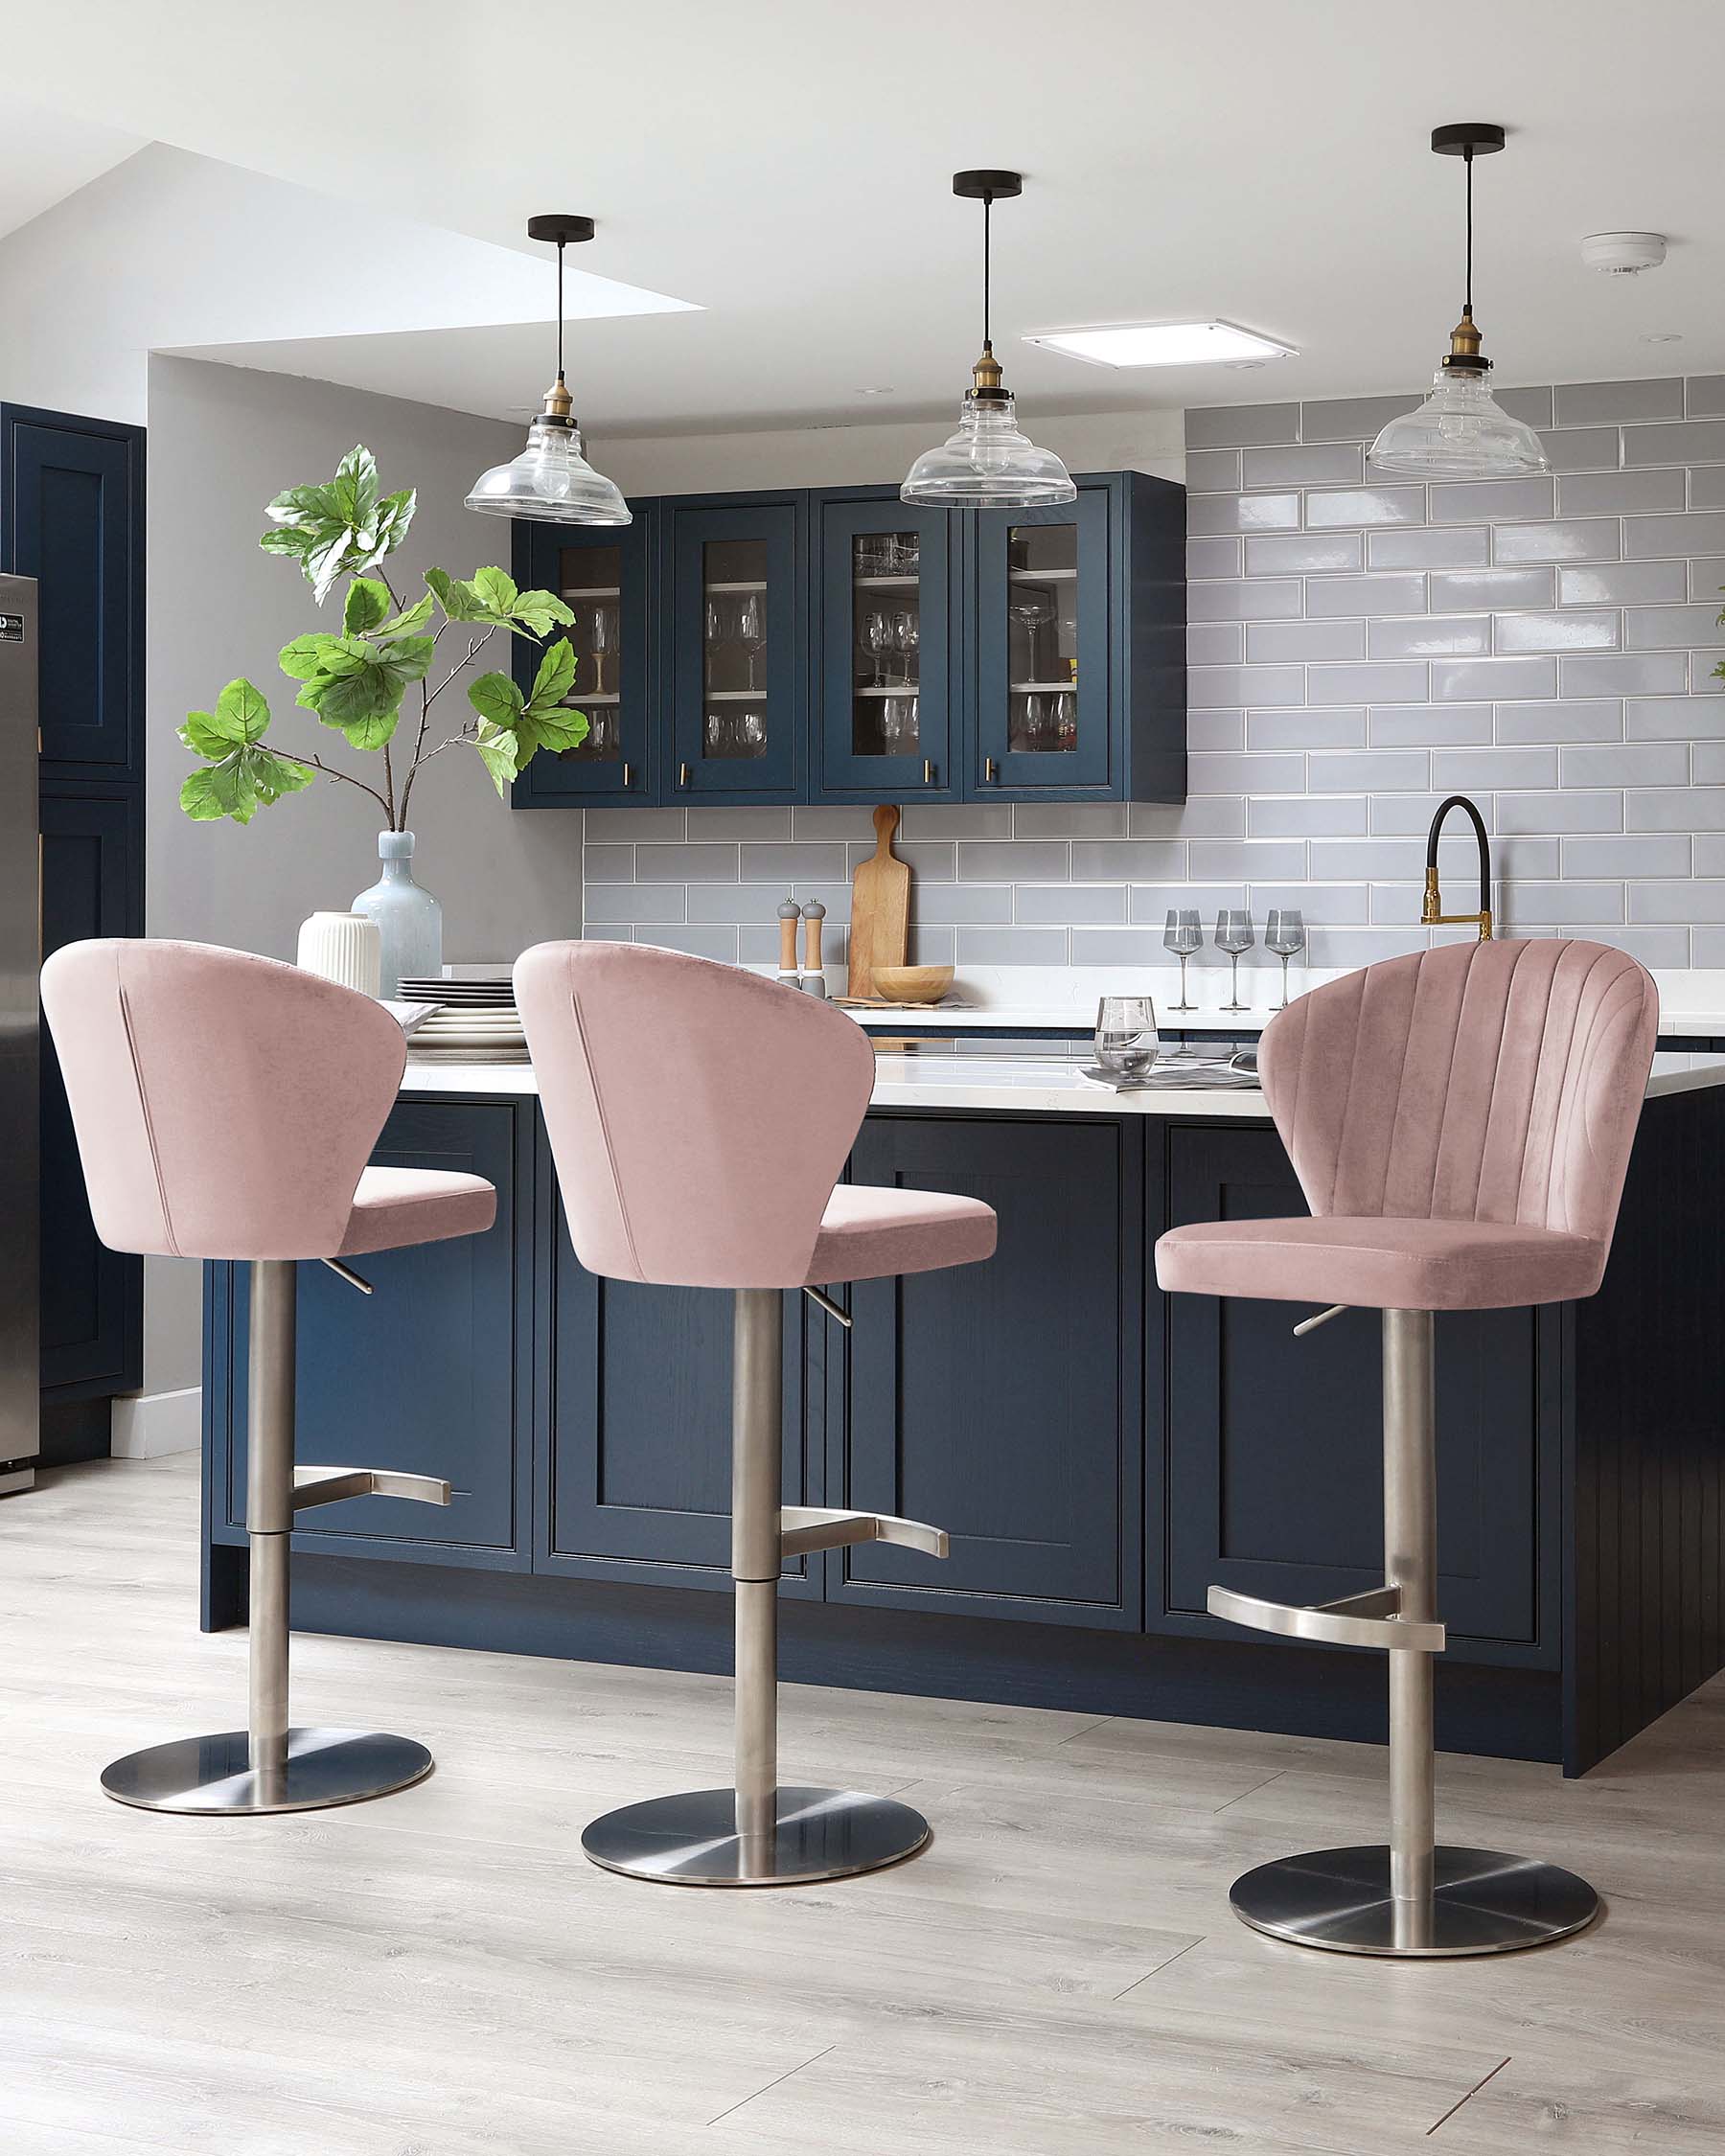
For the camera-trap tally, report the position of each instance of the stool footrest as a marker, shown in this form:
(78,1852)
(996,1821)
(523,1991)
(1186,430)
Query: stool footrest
(1370,1619)
(804,1528)
(328,1485)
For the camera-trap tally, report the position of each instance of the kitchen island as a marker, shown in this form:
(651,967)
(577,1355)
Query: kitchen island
(1099,1453)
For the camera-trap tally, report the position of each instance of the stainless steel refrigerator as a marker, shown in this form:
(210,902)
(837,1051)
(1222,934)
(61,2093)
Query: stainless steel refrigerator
(21,964)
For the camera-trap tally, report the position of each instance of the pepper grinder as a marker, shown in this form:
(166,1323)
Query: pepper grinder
(813,978)
(790,913)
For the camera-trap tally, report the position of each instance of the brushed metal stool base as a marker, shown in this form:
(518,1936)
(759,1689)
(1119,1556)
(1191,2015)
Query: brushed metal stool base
(692,1840)
(214,1775)
(1481,1902)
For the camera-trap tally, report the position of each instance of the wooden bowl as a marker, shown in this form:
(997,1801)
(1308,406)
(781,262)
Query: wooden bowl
(912,984)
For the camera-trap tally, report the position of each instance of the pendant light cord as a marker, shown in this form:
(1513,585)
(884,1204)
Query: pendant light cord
(1467,158)
(987,251)
(559,310)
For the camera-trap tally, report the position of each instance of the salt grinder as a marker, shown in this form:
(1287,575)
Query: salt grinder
(790,913)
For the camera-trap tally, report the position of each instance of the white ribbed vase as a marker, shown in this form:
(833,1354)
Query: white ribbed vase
(343,946)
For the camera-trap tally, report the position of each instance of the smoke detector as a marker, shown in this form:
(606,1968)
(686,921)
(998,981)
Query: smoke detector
(1624,254)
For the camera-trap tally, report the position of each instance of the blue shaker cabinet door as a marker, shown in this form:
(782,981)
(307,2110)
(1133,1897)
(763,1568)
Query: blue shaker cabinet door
(887,670)
(604,575)
(1047,707)
(736,631)
(72,517)
(1002,1400)
(431,1372)
(1274,1473)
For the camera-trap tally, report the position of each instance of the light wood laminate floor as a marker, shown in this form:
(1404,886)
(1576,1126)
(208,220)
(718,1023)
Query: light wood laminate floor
(442,1974)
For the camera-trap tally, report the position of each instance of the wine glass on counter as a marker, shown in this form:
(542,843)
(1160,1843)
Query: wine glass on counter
(1183,935)
(1284,933)
(1235,936)
(1126,1042)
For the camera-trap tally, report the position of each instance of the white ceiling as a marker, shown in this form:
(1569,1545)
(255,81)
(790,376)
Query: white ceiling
(784,164)
(46,155)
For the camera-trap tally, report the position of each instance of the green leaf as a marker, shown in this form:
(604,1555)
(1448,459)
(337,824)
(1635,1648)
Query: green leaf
(242,713)
(555,676)
(370,733)
(495,592)
(345,699)
(200,734)
(496,697)
(304,505)
(408,656)
(367,604)
(226,788)
(458,599)
(294,541)
(356,489)
(498,751)
(273,775)
(557,728)
(198,798)
(540,612)
(395,514)
(305,657)
(410,619)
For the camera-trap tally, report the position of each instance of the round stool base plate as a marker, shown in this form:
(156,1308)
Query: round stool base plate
(212,1774)
(692,1840)
(1483,1903)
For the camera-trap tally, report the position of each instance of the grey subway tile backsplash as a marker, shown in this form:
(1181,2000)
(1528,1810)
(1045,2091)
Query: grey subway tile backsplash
(1242,426)
(1588,404)
(1358,646)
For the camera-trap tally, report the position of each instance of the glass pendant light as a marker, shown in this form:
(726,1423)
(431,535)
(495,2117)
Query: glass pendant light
(551,480)
(988,464)
(1460,431)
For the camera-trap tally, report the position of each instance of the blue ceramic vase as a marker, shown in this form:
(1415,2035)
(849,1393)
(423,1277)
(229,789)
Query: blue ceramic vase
(409,919)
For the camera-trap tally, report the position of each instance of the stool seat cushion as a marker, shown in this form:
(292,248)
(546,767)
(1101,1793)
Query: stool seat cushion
(868,1233)
(394,1207)
(1376,1263)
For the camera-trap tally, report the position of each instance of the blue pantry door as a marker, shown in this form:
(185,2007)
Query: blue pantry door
(1045,710)
(887,662)
(739,650)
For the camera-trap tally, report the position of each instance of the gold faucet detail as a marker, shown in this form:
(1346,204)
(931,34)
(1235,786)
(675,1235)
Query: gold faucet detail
(1432,913)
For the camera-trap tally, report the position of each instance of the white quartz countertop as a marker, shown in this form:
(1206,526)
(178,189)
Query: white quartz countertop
(1018,1085)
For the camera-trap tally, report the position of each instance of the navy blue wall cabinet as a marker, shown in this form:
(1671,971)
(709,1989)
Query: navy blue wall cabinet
(1273,1463)
(72,517)
(733,571)
(840,647)
(635,1432)
(1003,1402)
(432,1372)
(605,577)
(889,655)
(92,1297)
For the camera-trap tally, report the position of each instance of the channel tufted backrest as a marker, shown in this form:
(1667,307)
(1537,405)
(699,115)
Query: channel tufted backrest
(225,1103)
(1484,1081)
(699,1115)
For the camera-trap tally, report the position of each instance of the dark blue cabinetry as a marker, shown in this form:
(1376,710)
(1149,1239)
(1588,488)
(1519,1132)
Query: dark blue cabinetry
(1098,1453)
(838,646)
(72,517)
(1003,1402)
(605,578)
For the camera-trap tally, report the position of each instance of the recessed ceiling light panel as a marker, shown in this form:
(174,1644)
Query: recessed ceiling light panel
(1163,344)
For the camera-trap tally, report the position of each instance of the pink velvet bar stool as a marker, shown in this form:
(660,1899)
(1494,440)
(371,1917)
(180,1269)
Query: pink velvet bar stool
(700,1118)
(1460,1122)
(225,1107)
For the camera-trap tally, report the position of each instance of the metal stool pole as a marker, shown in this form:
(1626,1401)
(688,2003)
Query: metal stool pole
(1410,1564)
(760,1834)
(269,1766)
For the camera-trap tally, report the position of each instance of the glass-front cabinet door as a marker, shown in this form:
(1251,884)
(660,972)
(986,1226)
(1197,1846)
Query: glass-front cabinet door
(738,651)
(1042,702)
(885,654)
(601,575)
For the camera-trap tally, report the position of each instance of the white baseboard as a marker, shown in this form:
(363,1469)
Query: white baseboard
(150,1425)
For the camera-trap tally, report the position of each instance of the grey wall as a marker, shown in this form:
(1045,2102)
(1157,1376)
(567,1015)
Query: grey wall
(222,441)
(1356,651)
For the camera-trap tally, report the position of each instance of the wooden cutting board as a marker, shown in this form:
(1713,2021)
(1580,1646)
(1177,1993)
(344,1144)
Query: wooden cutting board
(880,922)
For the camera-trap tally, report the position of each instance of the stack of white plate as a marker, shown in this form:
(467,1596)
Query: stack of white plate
(475,1021)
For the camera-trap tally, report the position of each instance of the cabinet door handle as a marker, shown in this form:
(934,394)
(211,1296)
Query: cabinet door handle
(627,775)
(928,771)
(682,775)
(990,769)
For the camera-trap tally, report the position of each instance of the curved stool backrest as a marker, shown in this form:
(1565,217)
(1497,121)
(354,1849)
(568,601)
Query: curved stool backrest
(225,1103)
(1486,1081)
(700,1115)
